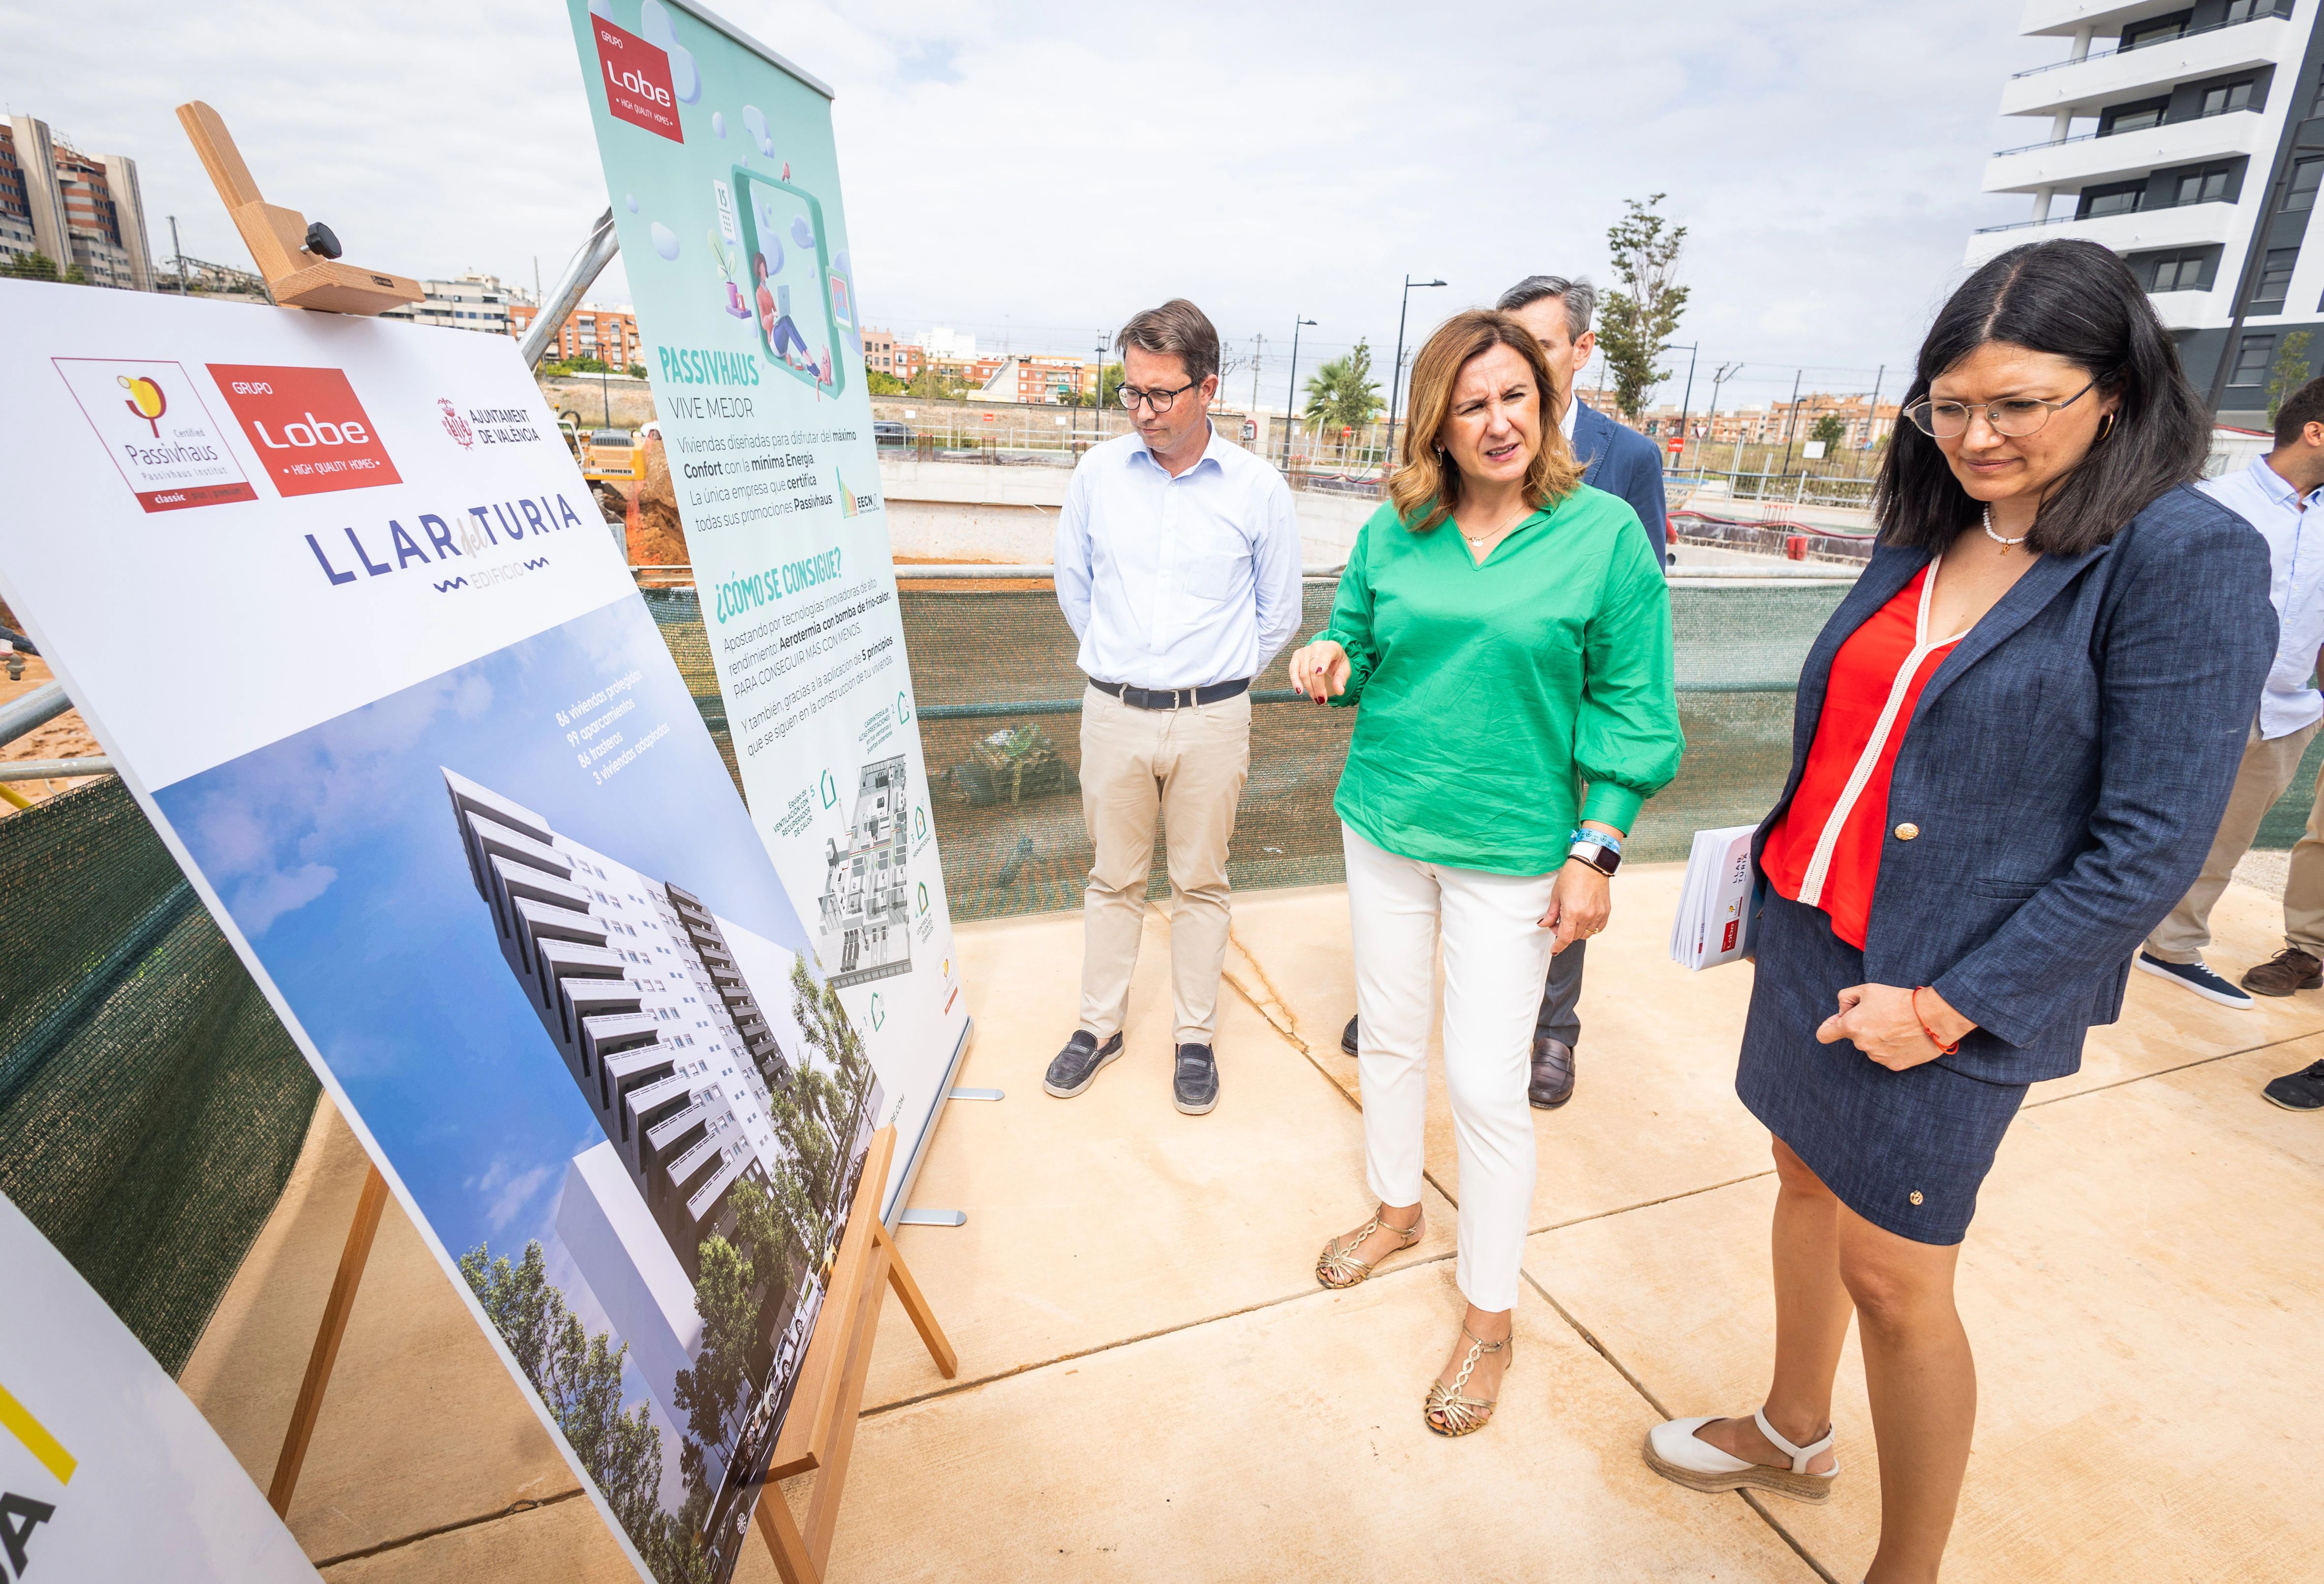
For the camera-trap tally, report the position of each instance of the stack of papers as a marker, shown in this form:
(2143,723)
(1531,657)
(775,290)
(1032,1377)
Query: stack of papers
(1715,922)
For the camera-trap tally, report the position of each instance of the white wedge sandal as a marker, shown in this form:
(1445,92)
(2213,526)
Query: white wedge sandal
(1679,1455)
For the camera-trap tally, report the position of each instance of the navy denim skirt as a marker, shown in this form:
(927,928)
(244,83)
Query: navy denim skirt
(1907,1150)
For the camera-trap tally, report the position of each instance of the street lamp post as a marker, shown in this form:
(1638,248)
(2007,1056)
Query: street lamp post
(1724,373)
(1686,403)
(1292,395)
(1396,380)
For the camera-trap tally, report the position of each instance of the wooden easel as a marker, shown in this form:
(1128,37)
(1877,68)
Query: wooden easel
(820,1430)
(277,237)
(277,240)
(325,1353)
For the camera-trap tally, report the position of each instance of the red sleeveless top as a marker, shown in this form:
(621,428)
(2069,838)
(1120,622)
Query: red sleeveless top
(1825,851)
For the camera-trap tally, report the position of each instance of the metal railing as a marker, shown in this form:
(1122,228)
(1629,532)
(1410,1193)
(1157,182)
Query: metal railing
(2083,137)
(2157,43)
(2141,209)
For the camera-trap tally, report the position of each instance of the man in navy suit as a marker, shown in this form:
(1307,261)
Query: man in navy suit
(1621,462)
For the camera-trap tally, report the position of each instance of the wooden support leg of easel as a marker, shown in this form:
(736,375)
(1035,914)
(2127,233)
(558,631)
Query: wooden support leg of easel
(924,1319)
(336,1309)
(828,1397)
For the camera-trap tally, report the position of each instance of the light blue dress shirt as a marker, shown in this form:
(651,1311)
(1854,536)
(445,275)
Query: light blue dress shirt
(1177,582)
(2261,497)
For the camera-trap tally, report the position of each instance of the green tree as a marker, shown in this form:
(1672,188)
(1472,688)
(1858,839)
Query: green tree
(1343,395)
(1638,321)
(579,1377)
(1831,429)
(881,383)
(1109,391)
(33,266)
(2290,373)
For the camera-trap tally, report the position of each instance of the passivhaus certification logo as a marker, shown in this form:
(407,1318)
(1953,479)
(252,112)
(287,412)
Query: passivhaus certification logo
(155,426)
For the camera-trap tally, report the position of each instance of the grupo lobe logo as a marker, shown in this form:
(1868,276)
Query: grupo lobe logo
(155,426)
(638,88)
(309,432)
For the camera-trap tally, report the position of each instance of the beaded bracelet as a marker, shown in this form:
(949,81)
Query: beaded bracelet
(1942,1048)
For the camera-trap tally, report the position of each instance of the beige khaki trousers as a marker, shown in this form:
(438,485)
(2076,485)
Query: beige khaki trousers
(2269,764)
(1186,768)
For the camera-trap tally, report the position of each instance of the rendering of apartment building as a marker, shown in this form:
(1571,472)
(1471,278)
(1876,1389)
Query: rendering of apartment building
(609,335)
(652,1004)
(73,208)
(867,920)
(2189,138)
(471,302)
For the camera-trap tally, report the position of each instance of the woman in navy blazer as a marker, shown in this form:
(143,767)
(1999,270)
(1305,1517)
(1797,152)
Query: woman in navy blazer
(2013,744)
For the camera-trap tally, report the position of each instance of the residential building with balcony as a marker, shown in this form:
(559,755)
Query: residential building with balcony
(471,302)
(73,208)
(609,335)
(2189,138)
(879,351)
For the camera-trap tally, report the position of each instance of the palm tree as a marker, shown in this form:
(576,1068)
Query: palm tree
(1343,395)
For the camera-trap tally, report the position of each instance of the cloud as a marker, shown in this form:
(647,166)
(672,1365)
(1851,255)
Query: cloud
(259,901)
(503,1192)
(1036,172)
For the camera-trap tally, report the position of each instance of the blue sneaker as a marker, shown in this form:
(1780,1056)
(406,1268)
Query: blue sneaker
(2195,977)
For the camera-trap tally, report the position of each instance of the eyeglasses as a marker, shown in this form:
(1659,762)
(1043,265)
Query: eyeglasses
(1157,401)
(2015,417)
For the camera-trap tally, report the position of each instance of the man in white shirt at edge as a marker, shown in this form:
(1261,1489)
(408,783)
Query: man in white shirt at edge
(2275,495)
(1178,565)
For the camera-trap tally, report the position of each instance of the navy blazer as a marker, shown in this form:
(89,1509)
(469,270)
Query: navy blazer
(1623,462)
(2068,765)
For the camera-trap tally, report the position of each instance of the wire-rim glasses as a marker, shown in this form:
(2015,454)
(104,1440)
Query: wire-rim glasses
(1158,401)
(2012,417)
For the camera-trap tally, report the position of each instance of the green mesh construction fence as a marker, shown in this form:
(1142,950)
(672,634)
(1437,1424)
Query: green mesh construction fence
(150,1104)
(998,696)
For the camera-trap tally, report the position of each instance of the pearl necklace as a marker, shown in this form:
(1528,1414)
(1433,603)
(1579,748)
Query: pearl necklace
(1996,538)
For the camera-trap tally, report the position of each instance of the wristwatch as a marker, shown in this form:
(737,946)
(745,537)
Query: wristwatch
(1600,850)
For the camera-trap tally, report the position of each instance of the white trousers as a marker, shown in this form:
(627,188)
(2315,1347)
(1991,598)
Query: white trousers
(1496,956)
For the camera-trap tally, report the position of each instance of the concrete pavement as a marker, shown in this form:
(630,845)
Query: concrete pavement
(1152,1386)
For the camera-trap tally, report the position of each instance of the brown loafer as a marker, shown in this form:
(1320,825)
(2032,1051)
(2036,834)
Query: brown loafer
(2289,970)
(1553,1073)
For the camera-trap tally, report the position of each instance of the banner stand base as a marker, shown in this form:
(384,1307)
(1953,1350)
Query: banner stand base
(979,1094)
(820,1432)
(933,1218)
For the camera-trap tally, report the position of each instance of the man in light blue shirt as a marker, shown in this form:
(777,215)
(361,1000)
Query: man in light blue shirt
(2277,494)
(1178,565)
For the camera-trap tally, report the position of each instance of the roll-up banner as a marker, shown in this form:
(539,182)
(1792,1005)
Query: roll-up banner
(725,181)
(335,597)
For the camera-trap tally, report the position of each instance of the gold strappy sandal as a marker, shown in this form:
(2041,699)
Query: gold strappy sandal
(1447,1411)
(1338,1266)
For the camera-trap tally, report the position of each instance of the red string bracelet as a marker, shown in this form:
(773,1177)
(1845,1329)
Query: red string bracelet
(1942,1048)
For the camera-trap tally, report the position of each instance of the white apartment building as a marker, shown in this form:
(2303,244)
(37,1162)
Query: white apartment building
(2189,138)
(866,905)
(471,302)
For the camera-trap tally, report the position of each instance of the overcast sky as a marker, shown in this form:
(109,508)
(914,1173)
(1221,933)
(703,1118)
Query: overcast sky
(1034,172)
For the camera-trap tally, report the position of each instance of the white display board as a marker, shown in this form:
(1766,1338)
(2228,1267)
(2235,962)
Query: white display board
(333,594)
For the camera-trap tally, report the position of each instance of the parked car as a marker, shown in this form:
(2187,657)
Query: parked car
(887,434)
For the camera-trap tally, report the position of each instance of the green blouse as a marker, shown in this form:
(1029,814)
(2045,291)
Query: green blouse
(1489,691)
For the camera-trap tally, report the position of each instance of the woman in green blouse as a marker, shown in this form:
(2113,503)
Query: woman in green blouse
(1507,634)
